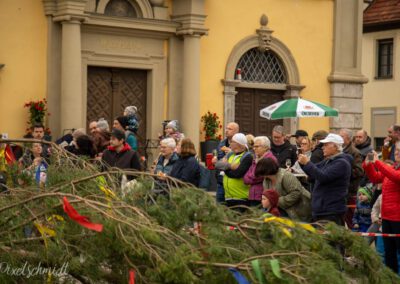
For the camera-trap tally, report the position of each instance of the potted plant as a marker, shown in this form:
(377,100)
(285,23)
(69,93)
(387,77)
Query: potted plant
(211,128)
(37,114)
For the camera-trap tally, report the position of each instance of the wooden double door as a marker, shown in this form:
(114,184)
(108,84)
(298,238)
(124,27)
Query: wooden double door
(248,103)
(110,90)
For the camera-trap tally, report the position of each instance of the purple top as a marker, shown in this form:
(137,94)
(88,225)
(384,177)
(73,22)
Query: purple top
(256,183)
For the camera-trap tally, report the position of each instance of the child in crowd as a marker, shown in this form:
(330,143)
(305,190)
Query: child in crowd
(269,201)
(172,131)
(362,214)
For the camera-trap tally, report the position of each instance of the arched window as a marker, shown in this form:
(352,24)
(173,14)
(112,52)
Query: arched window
(120,8)
(262,67)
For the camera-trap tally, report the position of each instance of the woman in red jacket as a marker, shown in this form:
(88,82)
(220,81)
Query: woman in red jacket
(379,172)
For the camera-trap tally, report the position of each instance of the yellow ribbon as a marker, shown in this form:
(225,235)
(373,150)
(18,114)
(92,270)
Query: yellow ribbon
(290,224)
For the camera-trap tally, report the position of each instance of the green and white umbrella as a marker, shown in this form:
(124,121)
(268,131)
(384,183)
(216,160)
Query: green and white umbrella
(297,108)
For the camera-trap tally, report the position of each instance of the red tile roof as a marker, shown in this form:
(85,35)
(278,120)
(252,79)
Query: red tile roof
(382,12)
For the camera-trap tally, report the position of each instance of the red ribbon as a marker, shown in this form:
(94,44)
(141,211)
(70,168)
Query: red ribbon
(81,220)
(131,276)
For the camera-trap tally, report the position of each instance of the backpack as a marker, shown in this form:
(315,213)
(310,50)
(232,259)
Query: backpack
(205,177)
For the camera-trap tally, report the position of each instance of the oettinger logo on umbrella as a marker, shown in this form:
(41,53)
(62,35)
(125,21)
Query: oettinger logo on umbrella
(297,107)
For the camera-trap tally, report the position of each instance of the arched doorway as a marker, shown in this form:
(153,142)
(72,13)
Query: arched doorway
(259,67)
(269,74)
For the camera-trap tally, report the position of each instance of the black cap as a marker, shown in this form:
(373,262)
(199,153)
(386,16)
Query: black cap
(300,133)
(119,134)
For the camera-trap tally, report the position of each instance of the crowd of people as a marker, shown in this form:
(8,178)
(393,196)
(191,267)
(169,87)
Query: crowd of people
(335,177)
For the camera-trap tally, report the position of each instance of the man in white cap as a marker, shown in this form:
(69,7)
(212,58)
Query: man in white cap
(235,166)
(331,179)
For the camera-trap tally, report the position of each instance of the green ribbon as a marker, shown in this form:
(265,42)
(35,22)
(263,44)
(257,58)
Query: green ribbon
(276,269)
(257,269)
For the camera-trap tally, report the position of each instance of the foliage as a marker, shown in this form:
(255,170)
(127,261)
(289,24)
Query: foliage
(37,113)
(174,235)
(211,126)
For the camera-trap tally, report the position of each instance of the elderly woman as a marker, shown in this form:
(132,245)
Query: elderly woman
(331,179)
(235,165)
(389,176)
(167,157)
(294,200)
(261,148)
(187,168)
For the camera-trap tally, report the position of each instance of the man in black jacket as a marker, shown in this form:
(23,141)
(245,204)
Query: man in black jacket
(281,148)
(119,154)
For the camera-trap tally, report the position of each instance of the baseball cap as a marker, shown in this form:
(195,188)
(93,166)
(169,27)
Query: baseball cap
(300,133)
(337,139)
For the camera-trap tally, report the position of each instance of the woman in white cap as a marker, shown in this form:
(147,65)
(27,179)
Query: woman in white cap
(331,179)
(235,165)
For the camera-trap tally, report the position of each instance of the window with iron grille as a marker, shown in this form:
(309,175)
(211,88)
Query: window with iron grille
(385,59)
(262,67)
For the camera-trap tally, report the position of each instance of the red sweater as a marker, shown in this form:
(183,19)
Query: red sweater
(390,179)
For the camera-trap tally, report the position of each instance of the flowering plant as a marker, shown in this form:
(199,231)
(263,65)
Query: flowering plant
(37,113)
(211,126)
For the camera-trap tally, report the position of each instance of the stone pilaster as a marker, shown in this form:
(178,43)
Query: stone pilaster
(346,79)
(229,99)
(190,14)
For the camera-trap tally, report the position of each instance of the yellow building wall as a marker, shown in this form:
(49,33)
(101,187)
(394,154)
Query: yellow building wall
(305,27)
(380,92)
(23,34)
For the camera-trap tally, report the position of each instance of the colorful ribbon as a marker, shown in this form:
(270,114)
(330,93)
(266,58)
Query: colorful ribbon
(131,276)
(81,220)
(239,277)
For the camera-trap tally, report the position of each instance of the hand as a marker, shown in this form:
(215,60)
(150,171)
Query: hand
(214,160)
(303,159)
(234,166)
(225,149)
(356,226)
(386,142)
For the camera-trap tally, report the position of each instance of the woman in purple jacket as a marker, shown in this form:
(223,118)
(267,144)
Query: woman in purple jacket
(261,150)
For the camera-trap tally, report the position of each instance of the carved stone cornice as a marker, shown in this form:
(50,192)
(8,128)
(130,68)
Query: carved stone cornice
(62,8)
(347,78)
(191,24)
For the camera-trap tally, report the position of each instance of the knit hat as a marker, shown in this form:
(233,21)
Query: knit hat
(119,134)
(319,135)
(173,124)
(273,197)
(123,120)
(240,138)
(130,110)
(366,191)
(103,124)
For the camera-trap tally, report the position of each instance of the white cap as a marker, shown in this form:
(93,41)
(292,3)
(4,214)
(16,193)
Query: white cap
(334,138)
(240,138)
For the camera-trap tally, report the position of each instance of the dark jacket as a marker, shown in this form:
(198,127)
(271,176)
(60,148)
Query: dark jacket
(357,172)
(362,214)
(317,154)
(125,159)
(187,169)
(284,152)
(331,182)
(220,155)
(168,167)
(365,148)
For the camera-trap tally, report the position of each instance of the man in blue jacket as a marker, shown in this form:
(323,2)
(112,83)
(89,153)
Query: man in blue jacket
(331,179)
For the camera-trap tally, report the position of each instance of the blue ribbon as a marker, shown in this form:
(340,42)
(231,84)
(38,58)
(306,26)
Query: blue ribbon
(240,279)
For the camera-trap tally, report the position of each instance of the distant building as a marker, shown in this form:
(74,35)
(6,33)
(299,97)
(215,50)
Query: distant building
(381,55)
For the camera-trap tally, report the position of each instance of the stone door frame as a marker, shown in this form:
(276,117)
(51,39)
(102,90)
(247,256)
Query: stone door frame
(292,88)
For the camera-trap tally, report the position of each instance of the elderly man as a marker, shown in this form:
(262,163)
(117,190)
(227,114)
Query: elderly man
(224,148)
(388,147)
(357,172)
(331,180)
(167,158)
(281,148)
(317,155)
(363,143)
(235,166)
(93,127)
